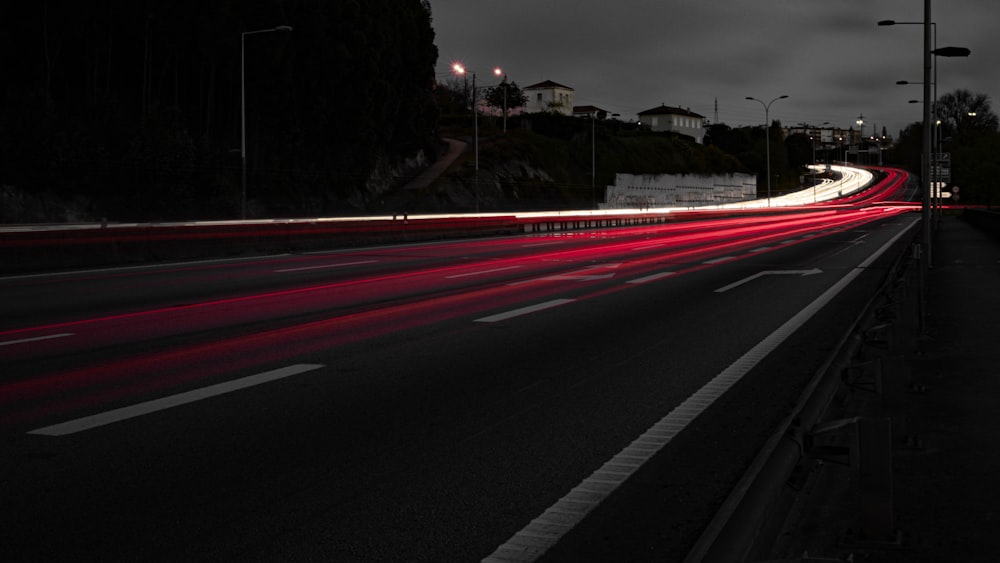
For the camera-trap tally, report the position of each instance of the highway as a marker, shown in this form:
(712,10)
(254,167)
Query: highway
(420,402)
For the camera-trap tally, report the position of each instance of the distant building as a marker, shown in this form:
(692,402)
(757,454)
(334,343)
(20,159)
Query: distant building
(676,120)
(548,96)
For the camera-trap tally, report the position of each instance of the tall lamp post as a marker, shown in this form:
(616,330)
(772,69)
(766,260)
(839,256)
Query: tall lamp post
(498,72)
(460,69)
(243,109)
(767,139)
(861,134)
(930,49)
(936,144)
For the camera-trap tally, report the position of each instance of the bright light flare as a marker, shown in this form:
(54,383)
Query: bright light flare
(458,68)
(498,71)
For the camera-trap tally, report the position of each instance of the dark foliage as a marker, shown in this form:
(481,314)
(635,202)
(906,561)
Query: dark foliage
(969,135)
(749,146)
(136,105)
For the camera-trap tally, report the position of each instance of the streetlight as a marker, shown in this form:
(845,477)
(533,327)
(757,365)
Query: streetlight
(935,166)
(498,72)
(243,109)
(861,134)
(767,139)
(593,157)
(930,48)
(460,69)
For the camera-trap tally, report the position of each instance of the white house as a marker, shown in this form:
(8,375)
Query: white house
(548,96)
(677,120)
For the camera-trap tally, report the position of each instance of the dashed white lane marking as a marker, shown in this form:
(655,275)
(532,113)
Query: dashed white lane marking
(36,339)
(545,531)
(132,411)
(323,266)
(652,277)
(524,311)
(717,260)
(481,272)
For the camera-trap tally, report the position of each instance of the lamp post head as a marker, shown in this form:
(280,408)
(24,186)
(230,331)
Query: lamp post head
(887,22)
(952,52)
(782,97)
(283,28)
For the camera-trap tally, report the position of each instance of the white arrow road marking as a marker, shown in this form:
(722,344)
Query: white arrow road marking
(770,273)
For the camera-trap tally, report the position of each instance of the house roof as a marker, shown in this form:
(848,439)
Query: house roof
(587,109)
(667,110)
(545,85)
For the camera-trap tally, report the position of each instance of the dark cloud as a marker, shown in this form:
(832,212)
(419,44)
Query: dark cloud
(829,56)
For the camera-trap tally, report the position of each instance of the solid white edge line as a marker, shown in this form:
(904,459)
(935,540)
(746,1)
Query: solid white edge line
(570,510)
(140,409)
(524,311)
(36,339)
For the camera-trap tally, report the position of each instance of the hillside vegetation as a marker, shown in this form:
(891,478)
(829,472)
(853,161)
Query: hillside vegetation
(545,162)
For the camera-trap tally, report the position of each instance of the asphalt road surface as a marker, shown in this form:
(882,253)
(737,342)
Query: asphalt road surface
(408,403)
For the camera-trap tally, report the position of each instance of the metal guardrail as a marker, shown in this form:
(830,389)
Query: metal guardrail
(740,528)
(50,247)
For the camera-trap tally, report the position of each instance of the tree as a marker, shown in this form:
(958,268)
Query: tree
(977,169)
(505,96)
(963,111)
(107,101)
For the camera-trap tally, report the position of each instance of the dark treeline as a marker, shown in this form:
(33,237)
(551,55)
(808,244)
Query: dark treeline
(133,107)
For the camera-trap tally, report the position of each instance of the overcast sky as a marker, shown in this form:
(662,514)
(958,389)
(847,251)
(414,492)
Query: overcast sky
(626,56)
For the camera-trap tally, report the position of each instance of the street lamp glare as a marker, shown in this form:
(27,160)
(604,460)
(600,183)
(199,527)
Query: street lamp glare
(458,68)
(498,71)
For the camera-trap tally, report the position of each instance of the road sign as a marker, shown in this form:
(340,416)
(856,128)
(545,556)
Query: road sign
(941,173)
